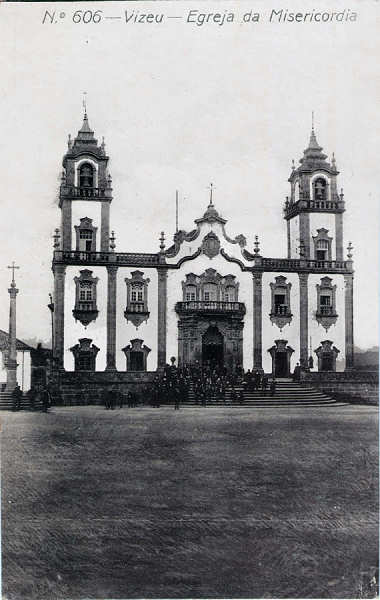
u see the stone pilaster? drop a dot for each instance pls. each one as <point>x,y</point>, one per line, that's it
<point>304,309</point>
<point>305,233</point>
<point>349,320</point>
<point>12,350</point>
<point>59,315</point>
<point>66,225</point>
<point>161,323</point>
<point>339,236</point>
<point>288,238</point>
<point>257,321</point>
<point>105,227</point>
<point>111,318</point>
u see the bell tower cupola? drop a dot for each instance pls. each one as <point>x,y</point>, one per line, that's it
<point>85,179</point>
<point>314,210</point>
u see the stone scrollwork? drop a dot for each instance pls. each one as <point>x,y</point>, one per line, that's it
<point>85,309</point>
<point>137,298</point>
<point>280,313</point>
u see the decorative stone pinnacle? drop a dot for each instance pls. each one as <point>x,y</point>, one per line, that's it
<point>112,241</point>
<point>211,191</point>
<point>56,238</point>
<point>349,250</point>
<point>293,165</point>
<point>257,246</point>
<point>69,142</point>
<point>341,195</point>
<point>162,241</point>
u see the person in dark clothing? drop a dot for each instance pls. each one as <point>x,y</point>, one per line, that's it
<point>264,384</point>
<point>257,380</point>
<point>273,387</point>
<point>297,372</point>
<point>234,395</point>
<point>45,399</point>
<point>31,395</point>
<point>120,398</point>
<point>241,396</point>
<point>16,398</point>
<point>177,397</point>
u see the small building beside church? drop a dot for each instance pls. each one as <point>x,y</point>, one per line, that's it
<point>206,296</point>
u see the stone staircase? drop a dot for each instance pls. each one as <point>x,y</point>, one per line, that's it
<point>6,402</point>
<point>288,393</point>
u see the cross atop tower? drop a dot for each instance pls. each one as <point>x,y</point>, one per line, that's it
<point>13,267</point>
<point>211,188</point>
<point>85,103</point>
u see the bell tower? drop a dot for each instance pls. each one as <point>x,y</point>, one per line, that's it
<point>314,210</point>
<point>85,178</point>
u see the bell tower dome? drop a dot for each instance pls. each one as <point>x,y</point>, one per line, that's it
<point>85,178</point>
<point>314,210</point>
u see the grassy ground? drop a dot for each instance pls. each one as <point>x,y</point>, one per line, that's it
<point>198,503</point>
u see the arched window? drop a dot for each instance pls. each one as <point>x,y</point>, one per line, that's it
<point>191,293</point>
<point>210,292</point>
<point>320,189</point>
<point>229,294</point>
<point>86,179</point>
<point>322,250</point>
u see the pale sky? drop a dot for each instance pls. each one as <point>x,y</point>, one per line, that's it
<point>180,106</point>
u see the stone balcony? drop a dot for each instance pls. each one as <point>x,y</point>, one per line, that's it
<point>292,209</point>
<point>119,259</point>
<point>210,307</point>
<point>72,192</point>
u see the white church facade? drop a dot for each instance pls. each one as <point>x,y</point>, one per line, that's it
<point>206,296</point>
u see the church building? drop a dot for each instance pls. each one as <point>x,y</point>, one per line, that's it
<point>122,315</point>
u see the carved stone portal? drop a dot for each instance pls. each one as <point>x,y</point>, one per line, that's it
<point>136,354</point>
<point>84,355</point>
<point>327,354</point>
<point>281,354</point>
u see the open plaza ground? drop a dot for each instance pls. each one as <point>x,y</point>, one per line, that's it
<point>195,503</point>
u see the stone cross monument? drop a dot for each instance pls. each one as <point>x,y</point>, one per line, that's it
<point>11,362</point>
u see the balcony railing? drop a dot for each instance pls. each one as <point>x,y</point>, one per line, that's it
<point>136,307</point>
<point>326,311</point>
<point>313,205</point>
<point>296,264</point>
<point>104,258</point>
<point>84,192</point>
<point>281,310</point>
<point>210,306</point>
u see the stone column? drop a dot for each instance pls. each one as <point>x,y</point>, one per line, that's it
<point>161,324</point>
<point>304,309</point>
<point>339,236</point>
<point>111,318</point>
<point>12,349</point>
<point>59,315</point>
<point>257,321</point>
<point>349,320</point>
<point>66,228</point>
<point>305,232</point>
<point>105,227</point>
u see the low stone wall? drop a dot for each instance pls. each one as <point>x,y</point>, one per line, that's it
<point>81,388</point>
<point>360,387</point>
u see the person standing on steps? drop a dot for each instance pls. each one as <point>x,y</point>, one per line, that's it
<point>264,384</point>
<point>16,398</point>
<point>273,387</point>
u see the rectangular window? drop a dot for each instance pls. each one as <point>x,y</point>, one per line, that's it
<point>190,296</point>
<point>89,295</point>
<point>325,301</point>
<point>139,296</point>
<point>82,295</point>
<point>133,296</point>
<point>207,296</point>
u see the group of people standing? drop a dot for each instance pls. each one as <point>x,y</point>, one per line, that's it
<point>38,397</point>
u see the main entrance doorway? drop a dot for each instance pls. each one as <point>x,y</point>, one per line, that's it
<point>212,347</point>
<point>281,368</point>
